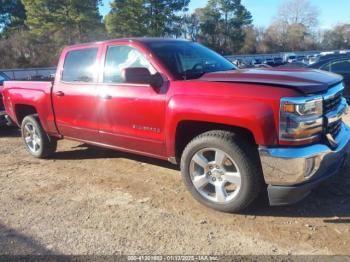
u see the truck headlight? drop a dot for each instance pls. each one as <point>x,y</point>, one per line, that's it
<point>301,119</point>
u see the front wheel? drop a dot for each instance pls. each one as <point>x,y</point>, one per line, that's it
<point>37,142</point>
<point>221,171</point>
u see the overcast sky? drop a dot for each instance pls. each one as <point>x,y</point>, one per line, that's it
<point>331,11</point>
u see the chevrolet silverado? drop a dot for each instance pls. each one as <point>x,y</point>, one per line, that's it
<point>233,132</point>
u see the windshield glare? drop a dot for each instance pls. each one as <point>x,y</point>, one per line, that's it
<point>188,60</point>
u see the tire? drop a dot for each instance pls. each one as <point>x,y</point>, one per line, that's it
<point>36,141</point>
<point>227,183</point>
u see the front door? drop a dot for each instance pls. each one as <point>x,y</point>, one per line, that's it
<point>132,116</point>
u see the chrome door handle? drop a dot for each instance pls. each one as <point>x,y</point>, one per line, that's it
<point>59,93</point>
<point>106,96</point>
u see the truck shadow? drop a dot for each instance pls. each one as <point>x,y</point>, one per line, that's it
<point>15,243</point>
<point>6,131</point>
<point>330,201</point>
<point>85,151</point>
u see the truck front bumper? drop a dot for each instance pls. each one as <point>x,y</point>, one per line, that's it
<point>291,173</point>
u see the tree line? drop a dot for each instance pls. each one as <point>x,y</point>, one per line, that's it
<point>33,32</point>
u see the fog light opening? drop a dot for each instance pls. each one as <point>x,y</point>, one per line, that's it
<point>310,166</point>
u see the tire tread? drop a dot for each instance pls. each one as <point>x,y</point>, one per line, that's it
<point>49,144</point>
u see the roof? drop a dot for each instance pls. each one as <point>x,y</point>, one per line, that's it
<point>133,39</point>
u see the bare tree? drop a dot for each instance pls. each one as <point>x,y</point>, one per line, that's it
<point>298,12</point>
<point>250,41</point>
<point>337,38</point>
<point>293,27</point>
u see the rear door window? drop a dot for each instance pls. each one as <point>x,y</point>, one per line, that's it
<point>80,65</point>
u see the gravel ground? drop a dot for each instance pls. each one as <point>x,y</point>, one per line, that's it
<point>94,201</point>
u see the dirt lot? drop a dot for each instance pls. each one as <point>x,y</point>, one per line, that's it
<point>94,201</point>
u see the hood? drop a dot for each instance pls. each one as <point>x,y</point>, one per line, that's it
<point>307,81</point>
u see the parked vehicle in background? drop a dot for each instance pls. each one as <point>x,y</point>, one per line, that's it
<point>26,74</point>
<point>3,121</point>
<point>278,61</point>
<point>331,56</point>
<point>262,66</point>
<point>301,58</point>
<point>269,61</point>
<point>313,59</point>
<point>232,131</point>
<point>291,59</point>
<point>3,77</point>
<point>240,63</point>
<point>339,65</point>
<point>41,77</point>
<point>256,62</point>
<point>288,57</point>
<point>294,65</point>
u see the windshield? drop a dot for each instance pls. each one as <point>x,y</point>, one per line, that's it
<point>187,60</point>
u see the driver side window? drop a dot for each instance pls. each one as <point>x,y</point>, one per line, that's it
<point>120,57</point>
<point>189,61</point>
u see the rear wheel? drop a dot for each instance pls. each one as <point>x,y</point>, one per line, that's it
<point>37,142</point>
<point>221,171</point>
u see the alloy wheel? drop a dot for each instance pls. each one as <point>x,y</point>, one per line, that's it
<point>215,175</point>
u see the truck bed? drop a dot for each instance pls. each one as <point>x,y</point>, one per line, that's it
<point>33,95</point>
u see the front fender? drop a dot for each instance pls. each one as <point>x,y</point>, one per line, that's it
<point>258,117</point>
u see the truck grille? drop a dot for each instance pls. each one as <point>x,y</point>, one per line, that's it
<point>334,128</point>
<point>332,102</point>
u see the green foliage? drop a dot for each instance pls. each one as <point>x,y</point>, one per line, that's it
<point>119,23</point>
<point>164,19</point>
<point>223,24</point>
<point>145,18</point>
<point>12,17</point>
<point>191,26</point>
<point>49,26</point>
<point>73,20</point>
<point>33,32</point>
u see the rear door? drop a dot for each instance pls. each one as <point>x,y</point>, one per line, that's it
<point>74,94</point>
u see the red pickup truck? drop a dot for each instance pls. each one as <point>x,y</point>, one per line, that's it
<point>233,132</point>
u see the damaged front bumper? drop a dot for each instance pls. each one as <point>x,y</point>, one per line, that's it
<point>291,173</point>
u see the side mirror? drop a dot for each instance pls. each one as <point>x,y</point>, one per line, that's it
<point>141,75</point>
